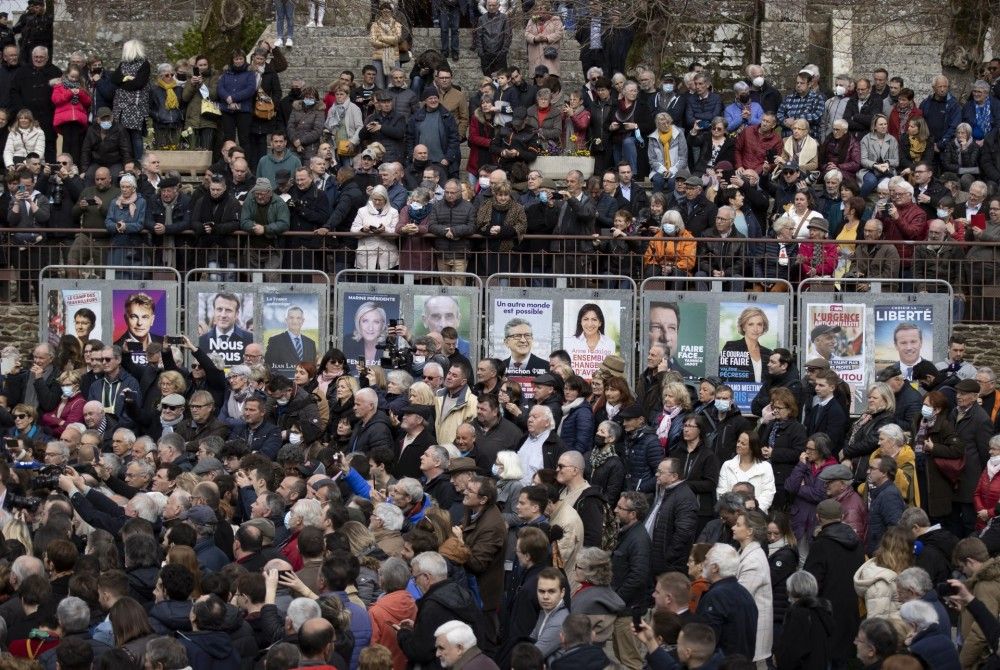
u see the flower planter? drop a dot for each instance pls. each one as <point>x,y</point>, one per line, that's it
<point>556,167</point>
<point>186,162</point>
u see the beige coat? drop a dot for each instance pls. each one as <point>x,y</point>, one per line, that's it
<point>385,40</point>
<point>877,585</point>
<point>541,34</point>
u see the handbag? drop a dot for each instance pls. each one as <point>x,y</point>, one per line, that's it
<point>263,107</point>
<point>951,468</point>
<point>210,110</point>
<point>551,53</point>
<point>345,148</point>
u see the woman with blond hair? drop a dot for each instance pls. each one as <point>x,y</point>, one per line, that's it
<point>875,580</point>
<point>669,422</point>
<point>70,407</point>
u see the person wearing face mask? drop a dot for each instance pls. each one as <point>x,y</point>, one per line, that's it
<point>836,107</point>
<point>673,249</point>
<point>305,123</point>
<point>742,111</point>
<point>106,144</point>
<point>70,407</point>
<point>293,407</point>
<point>761,90</point>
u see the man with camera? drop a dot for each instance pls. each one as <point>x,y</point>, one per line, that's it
<point>309,211</point>
<point>385,126</point>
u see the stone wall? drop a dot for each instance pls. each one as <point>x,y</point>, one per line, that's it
<point>19,326</point>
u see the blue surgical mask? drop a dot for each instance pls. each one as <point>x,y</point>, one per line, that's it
<point>496,470</point>
<point>105,125</point>
<point>668,88</point>
<point>942,213</point>
<point>543,197</point>
<point>926,411</point>
<point>288,518</point>
<point>67,391</point>
<point>416,206</point>
<point>669,228</point>
<point>722,405</point>
<point>308,102</point>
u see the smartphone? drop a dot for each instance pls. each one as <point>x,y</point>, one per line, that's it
<point>393,323</point>
<point>174,339</point>
<point>196,71</point>
<point>636,620</point>
<point>605,232</point>
<point>944,589</point>
<point>285,574</point>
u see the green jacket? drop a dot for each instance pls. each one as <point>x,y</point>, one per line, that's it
<point>277,221</point>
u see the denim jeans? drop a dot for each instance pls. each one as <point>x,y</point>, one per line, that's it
<point>627,151</point>
<point>869,183</point>
<point>284,11</point>
<point>449,18</point>
<point>136,137</point>
<point>662,184</point>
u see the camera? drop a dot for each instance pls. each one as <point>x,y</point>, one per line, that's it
<point>47,477</point>
<point>15,502</point>
<point>556,195</point>
<point>393,357</point>
<point>196,71</point>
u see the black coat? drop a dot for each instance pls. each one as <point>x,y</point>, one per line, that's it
<point>732,613</point>
<point>392,134</point>
<point>30,89</point>
<point>783,563</point>
<point>408,463</point>
<point>862,441</point>
<point>805,641</point>
<point>443,602</point>
<point>105,147</point>
<point>835,555</point>
<point>590,506</point>
<point>631,577</point>
<point>790,380</point>
<point>727,431</point>
<point>698,215</point>
<point>789,443</point>
<point>974,431</point>
<point>376,433</point>
<point>700,470</point>
<point>830,419</point>
<point>674,529</point>
<point>933,553</point>
<point>349,200</point>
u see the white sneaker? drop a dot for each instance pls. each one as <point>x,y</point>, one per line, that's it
<point>278,42</point>
<point>319,24</point>
<point>288,43</point>
<point>311,24</point>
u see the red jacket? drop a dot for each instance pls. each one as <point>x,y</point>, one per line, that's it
<point>894,128</point>
<point>820,256</point>
<point>66,111</point>
<point>987,496</point>
<point>911,226</point>
<point>388,610</point>
<point>291,552</point>
<point>751,148</point>
<point>855,512</point>
<point>72,412</point>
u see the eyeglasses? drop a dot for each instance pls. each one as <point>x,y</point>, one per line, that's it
<point>173,407</point>
<point>519,336</point>
<point>196,366</point>
<point>103,359</point>
<point>429,378</point>
<point>778,407</point>
<point>52,454</point>
<point>63,162</point>
<point>20,416</point>
<point>199,406</point>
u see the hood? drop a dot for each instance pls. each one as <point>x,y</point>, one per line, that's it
<point>869,573</point>
<point>232,620</point>
<point>842,534</point>
<point>379,417</point>
<point>173,614</point>
<point>213,642</point>
<point>143,580</point>
<point>601,596</point>
<point>399,604</point>
<point>455,551</point>
<point>990,572</point>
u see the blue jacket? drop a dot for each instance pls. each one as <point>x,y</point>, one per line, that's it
<point>241,86</point>
<point>935,650</point>
<point>885,505</point>
<point>450,142</point>
<point>942,117</point>
<point>134,224</point>
<point>643,454</point>
<point>266,438</point>
<point>210,557</point>
<point>361,627</point>
<point>577,428</point>
<point>993,121</point>
<point>124,381</point>
<point>734,116</point>
<point>700,111</point>
<point>209,650</point>
<point>732,613</point>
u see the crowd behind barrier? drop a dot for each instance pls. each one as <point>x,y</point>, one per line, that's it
<point>239,494</point>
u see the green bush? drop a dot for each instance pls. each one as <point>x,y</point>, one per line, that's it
<point>192,42</point>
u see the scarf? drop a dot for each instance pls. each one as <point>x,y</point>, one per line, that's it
<point>129,203</point>
<point>612,410</point>
<point>663,430</point>
<point>172,102</point>
<point>336,115</point>
<point>773,547</point>
<point>419,215</point>
<point>984,120</point>
<point>600,456</point>
<point>170,424</point>
<point>922,430</point>
<point>665,140</point>
<point>71,85</point>
<point>772,436</point>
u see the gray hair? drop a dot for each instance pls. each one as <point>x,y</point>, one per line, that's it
<point>391,516</point>
<point>918,614</point>
<point>730,502</point>
<point>782,223</point>
<point>240,371</point>
<point>841,124</point>
<point>163,68</point>
<point>146,468</point>
<point>301,610</point>
<point>182,497</point>
<point>26,566</point>
<point>441,454</point>
<point>964,127</point>
<point>988,371</point>
<point>514,323</point>
<point>674,217</point>
<point>126,435</point>
<point>127,180</point>
<point>434,368</point>
<point>401,377</point>
<point>725,558</point>
<point>40,50</point>
<point>741,87</point>
<point>394,574</point>
<point>893,432</point>
<point>166,652</point>
<point>547,415</point>
<point>834,174</point>
<point>980,85</point>
<point>60,445</point>
<point>411,487</point>
<point>665,116</point>
<point>368,394</point>
<point>432,563</point>
<point>595,563</point>
<point>73,615</point>
<point>801,584</point>
<point>595,70</point>
<point>310,511</point>
<point>916,580</point>
<point>144,507</point>
<point>613,427</point>
<point>457,633</point>
<point>112,463</point>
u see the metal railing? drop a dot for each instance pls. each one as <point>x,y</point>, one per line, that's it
<point>970,268</point>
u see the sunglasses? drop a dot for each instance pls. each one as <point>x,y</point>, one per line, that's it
<point>20,416</point>
<point>163,406</point>
<point>105,359</point>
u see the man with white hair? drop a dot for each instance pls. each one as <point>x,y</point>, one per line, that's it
<point>742,111</point>
<point>915,584</point>
<point>29,86</point>
<point>905,220</point>
<point>373,428</point>
<point>408,495</point>
<point>434,465</point>
<point>385,524</point>
<point>541,446</point>
<point>455,643</point>
<point>761,90</point>
<point>73,616</point>
<point>22,568</point>
<point>304,513</point>
<point>727,606</point>
<point>442,600</point>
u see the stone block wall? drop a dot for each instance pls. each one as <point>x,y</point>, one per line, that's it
<point>19,326</point>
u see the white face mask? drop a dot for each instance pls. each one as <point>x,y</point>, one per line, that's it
<point>67,391</point>
<point>484,182</point>
<point>758,81</point>
<point>926,411</point>
<point>496,470</point>
<point>295,438</point>
<point>995,461</point>
<point>417,360</point>
<point>839,91</point>
<point>668,88</point>
<point>288,519</point>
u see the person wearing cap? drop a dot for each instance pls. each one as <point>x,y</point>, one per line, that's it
<point>437,129</point>
<point>835,554</point>
<point>817,258</point>
<point>907,398</point>
<point>642,450</point>
<point>802,104</point>
<point>415,423</point>
<point>385,126</point>
<point>106,144</point>
<point>167,215</point>
<point>266,218</point>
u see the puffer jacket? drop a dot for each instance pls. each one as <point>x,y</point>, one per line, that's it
<point>238,84</point>
<point>20,143</point>
<point>877,585</point>
<point>170,616</point>
<point>105,147</point>
<point>68,111</point>
<point>986,497</point>
<point>643,454</point>
<point>210,649</point>
<point>680,251</point>
<point>783,562</point>
<point>306,126</point>
<point>388,610</point>
<point>376,251</point>
<point>577,426</point>
<point>459,217</point>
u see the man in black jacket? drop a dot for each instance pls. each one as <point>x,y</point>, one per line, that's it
<point>587,500</point>
<point>721,252</point>
<point>260,435</point>
<point>8,66</point>
<point>309,211</point>
<point>385,126</point>
<point>577,213</point>
<point>104,145</point>
<point>30,89</point>
<point>780,374</point>
<point>698,213</point>
<point>35,28</point>
<point>630,572</point>
<point>372,429</point>
<point>673,518</point>
<point>41,389</point>
<point>727,606</point>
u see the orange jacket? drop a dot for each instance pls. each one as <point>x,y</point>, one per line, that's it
<point>681,252</point>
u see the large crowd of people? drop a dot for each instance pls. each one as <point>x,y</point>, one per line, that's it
<point>181,510</point>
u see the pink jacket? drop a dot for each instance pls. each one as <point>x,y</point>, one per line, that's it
<point>66,111</point>
<point>55,422</point>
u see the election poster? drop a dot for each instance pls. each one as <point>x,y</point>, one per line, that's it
<point>522,339</point>
<point>748,333</point>
<point>904,335</point>
<point>836,333</point>
<point>365,323</point>
<point>680,327</point>
<point>139,318</point>
<point>591,331</point>
<point>74,312</point>
<point>431,313</point>
<point>290,330</point>
<point>225,324</point>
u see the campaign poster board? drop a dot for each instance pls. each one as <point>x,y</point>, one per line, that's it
<point>224,321</point>
<point>290,330</point>
<point>434,311</point>
<point>904,334</point>
<point>680,327</point>
<point>77,312</point>
<point>521,338</point>
<point>139,319</point>
<point>836,333</point>
<point>748,332</point>
<point>365,320</point>
<point>591,331</point>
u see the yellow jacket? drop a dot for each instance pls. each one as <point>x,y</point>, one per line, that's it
<point>906,475</point>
